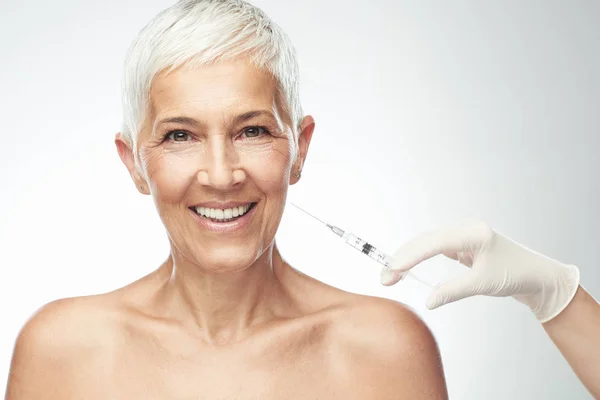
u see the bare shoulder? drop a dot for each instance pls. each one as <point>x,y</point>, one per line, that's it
<point>60,341</point>
<point>388,348</point>
<point>378,323</point>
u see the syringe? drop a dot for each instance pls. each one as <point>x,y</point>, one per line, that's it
<point>364,247</point>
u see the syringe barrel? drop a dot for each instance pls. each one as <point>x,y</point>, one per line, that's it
<point>368,249</point>
<point>377,255</point>
<point>362,246</point>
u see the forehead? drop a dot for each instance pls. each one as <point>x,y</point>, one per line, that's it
<point>219,88</point>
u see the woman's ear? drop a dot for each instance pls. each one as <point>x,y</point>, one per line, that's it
<point>127,157</point>
<point>307,126</point>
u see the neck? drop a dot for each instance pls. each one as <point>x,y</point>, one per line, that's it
<point>226,306</point>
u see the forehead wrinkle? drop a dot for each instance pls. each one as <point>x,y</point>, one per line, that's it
<point>253,96</point>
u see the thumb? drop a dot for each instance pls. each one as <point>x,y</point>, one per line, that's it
<point>451,291</point>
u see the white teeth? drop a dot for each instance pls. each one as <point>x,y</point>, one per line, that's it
<point>223,214</point>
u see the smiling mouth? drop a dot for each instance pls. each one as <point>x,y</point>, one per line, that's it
<point>223,214</point>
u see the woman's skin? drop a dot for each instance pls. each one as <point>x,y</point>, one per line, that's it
<point>224,316</point>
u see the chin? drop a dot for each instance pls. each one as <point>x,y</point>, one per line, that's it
<point>226,258</point>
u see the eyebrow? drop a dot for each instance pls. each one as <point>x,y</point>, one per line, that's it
<point>237,119</point>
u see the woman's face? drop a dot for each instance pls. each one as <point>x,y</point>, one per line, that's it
<point>216,151</point>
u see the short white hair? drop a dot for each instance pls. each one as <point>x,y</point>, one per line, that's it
<point>202,32</point>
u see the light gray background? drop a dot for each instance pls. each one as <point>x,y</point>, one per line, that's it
<point>427,113</point>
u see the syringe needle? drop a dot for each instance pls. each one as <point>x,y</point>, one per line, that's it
<point>324,223</point>
<point>338,231</point>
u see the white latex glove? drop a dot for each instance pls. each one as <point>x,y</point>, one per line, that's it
<point>499,267</point>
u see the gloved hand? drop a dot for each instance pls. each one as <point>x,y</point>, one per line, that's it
<point>499,267</point>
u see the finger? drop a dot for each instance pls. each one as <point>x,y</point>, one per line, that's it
<point>389,277</point>
<point>448,241</point>
<point>417,250</point>
<point>454,290</point>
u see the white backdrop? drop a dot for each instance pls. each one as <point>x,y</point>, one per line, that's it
<point>426,112</point>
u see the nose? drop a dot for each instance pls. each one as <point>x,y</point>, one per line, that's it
<point>220,164</point>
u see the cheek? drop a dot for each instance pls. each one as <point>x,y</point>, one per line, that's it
<point>170,177</point>
<point>269,170</point>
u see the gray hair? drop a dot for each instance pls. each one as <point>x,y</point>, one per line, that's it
<point>201,32</point>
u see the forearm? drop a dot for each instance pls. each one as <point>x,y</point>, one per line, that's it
<point>576,333</point>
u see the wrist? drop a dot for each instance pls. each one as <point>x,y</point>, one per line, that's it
<point>567,286</point>
<point>554,294</point>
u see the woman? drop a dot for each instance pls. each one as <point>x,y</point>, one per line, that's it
<point>214,132</point>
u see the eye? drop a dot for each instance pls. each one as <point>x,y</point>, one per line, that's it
<point>177,136</point>
<point>254,131</point>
